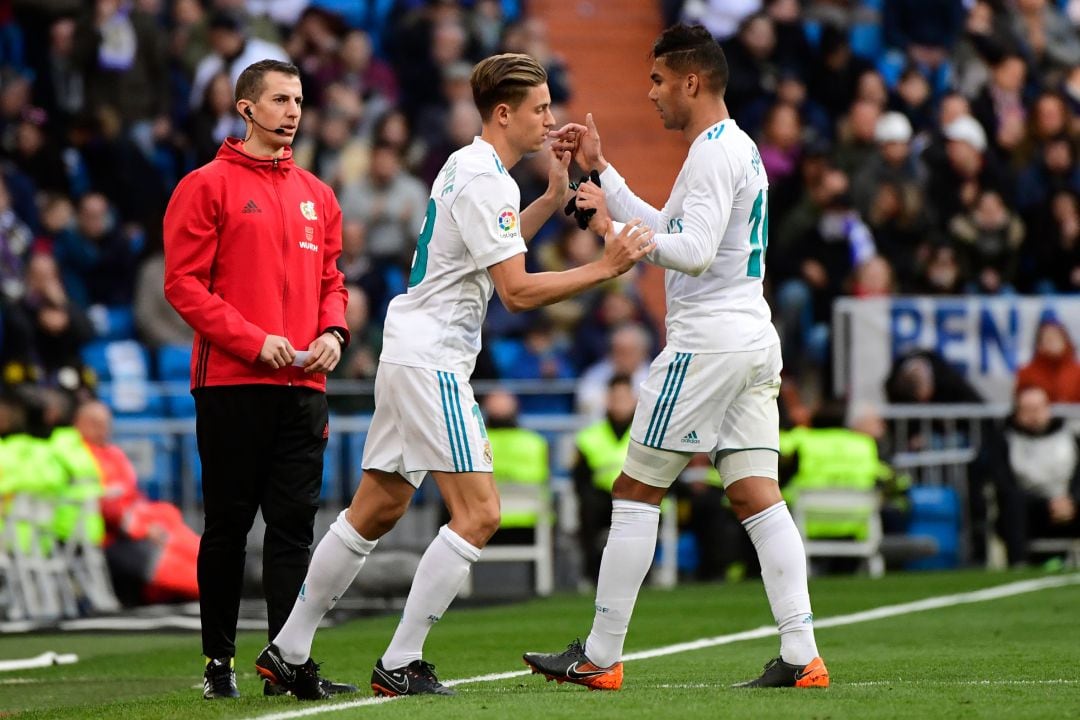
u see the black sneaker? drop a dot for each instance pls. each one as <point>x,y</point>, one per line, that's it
<point>219,680</point>
<point>416,678</point>
<point>301,681</point>
<point>331,688</point>
<point>778,673</point>
<point>571,665</point>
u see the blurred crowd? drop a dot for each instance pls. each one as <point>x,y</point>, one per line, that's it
<point>913,146</point>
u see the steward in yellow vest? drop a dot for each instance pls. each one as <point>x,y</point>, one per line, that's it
<point>601,450</point>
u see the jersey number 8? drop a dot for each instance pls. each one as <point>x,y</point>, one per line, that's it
<point>419,263</point>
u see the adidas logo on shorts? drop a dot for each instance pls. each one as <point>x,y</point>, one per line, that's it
<point>691,438</point>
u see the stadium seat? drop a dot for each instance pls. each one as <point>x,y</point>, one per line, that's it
<point>123,366</point>
<point>174,369</point>
<point>174,362</point>
<point>842,505</point>
<point>115,322</point>
<point>935,512</point>
<point>531,499</point>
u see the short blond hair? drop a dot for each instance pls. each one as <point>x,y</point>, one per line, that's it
<point>505,78</point>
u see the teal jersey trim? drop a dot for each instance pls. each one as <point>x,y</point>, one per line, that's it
<point>461,421</point>
<point>665,404</point>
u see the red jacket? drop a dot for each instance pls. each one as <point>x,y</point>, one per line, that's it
<point>251,249</point>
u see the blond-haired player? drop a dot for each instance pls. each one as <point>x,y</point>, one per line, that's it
<point>426,420</point>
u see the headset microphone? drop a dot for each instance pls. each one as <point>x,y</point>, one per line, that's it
<point>279,131</point>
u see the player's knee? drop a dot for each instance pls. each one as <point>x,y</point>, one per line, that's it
<point>374,520</point>
<point>751,495</point>
<point>487,522</point>
<point>479,523</point>
<point>627,488</point>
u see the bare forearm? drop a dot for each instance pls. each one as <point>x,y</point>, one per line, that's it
<point>546,288</point>
<point>538,212</point>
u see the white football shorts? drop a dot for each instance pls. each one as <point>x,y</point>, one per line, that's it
<point>425,420</point>
<point>716,403</point>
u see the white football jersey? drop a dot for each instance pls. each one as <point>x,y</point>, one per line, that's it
<point>711,239</point>
<point>472,222</point>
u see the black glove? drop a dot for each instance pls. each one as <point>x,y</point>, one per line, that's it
<point>582,216</point>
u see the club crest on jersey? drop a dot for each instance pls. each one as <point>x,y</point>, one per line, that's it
<point>507,221</point>
<point>307,209</point>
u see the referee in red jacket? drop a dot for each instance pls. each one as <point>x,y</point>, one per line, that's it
<point>251,249</point>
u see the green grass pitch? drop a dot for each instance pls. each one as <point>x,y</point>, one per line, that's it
<point>1014,657</point>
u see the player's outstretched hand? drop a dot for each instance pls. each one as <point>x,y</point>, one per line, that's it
<point>583,141</point>
<point>590,197</point>
<point>325,354</point>
<point>559,174</point>
<point>277,352</point>
<point>632,243</point>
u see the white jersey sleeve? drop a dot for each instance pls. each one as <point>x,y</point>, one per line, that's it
<point>624,205</point>
<point>489,218</point>
<point>713,244</point>
<point>706,212</point>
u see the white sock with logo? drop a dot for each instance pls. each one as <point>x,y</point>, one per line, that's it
<point>334,564</point>
<point>627,558</point>
<point>439,576</point>
<point>783,570</point>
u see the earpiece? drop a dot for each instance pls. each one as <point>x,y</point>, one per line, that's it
<point>278,131</point>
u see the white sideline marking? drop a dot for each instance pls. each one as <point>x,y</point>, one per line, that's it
<point>45,659</point>
<point>885,611</point>
<point>897,681</point>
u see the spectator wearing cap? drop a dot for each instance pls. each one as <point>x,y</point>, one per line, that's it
<point>889,193</point>
<point>962,171</point>
<point>233,50</point>
<point>893,162</point>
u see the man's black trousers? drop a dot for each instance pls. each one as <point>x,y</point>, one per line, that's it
<point>261,447</point>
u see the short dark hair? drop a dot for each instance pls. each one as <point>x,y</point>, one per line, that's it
<point>505,78</point>
<point>252,81</point>
<point>692,49</point>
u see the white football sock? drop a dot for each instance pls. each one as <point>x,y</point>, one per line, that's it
<point>627,558</point>
<point>334,564</point>
<point>783,570</point>
<point>439,576</point>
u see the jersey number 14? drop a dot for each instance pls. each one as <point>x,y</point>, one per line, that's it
<point>759,234</point>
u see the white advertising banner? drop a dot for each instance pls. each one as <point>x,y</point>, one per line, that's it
<point>986,338</point>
